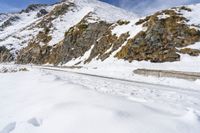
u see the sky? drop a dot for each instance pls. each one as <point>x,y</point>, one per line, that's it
<point>141,7</point>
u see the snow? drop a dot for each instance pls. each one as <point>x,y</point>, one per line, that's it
<point>194,15</point>
<point>45,101</point>
<point>99,11</point>
<point>123,69</point>
<point>3,17</point>
<point>106,11</point>
<point>17,35</point>
<point>131,28</point>
<point>81,59</point>
<point>41,101</point>
<point>163,16</point>
<point>113,67</point>
<point>63,23</point>
<point>194,46</point>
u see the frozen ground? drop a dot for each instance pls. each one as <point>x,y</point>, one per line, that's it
<point>45,101</point>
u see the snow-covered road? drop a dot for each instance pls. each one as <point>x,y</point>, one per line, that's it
<point>134,83</point>
<point>48,101</point>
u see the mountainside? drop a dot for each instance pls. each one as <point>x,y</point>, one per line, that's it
<point>77,32</point>
<point>17,30</point>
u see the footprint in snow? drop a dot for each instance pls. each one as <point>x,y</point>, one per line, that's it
<point>35,122</point>
<point>9,128</point>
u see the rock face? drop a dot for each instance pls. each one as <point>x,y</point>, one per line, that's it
<point>5,55</point>
<point>78,40</point>
<point>34,52</point>
<point>33,7</point>
<point>38,51</point>
<point>189,51</point>
<point>163,35</point>
<point>41,13</point>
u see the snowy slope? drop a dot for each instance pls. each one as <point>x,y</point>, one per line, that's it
<point>124,69</point>
<point>17,35</point>
<point>100,11</point>
<point>193,16</point>
<point>3,16</point>
<point>105,11</point>
<point>42,101</point>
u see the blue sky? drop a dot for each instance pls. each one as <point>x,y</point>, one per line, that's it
<point>16,5</point>
<point>142,7</point>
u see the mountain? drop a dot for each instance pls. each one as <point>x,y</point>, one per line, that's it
<point>79,32</point>
<point>17,30</point>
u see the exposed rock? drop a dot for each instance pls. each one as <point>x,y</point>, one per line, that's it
<point>78,40</point>
<point>184,8</point>
<point>61,9</point>
<point>123,22</point>
<point>158,43</point>
<point>165,32</point>
<point>38,51</point>
<point>35,54</point>
<point>41,13</point>
<point>192,52</point>
<point>9,22</point>
<point>33,7</point>
<point>5,55</point>
<point>107,42</point>
<point>12,70</point>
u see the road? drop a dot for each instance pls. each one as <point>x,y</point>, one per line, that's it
<point>134,90</point>
<point>132,82</point>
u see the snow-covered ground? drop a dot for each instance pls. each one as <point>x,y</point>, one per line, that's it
<point>45,101</point>
<point>113,67</point>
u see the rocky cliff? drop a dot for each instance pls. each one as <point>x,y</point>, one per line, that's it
<point>82,31</point>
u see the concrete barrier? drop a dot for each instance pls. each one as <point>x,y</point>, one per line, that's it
<point>168,73</point>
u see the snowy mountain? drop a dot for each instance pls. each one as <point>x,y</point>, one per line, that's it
<point>17,29</point>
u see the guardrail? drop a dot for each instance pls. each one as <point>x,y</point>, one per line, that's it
<point>168,73</point>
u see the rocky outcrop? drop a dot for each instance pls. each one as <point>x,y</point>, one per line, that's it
<point>166,35</point>
<point>34,54</point>
<point>158,43</point>
<point>78,40</point>
<point>83,37</point>
<point>33,7</point>
<point>106,45</point>
<point>9,22</point>
<point>5,55</point>
<point>37,51</point>
<point>41,13</point>
<point>189,51</point>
